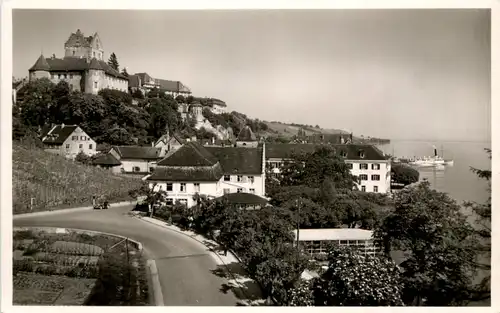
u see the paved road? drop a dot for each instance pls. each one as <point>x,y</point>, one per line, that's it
<point>184,265</point>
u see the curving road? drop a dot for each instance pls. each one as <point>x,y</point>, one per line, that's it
<point>184,265</point>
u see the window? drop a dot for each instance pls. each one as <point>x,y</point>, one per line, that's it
<point>226,191</point>
<point>240,178</point>
<point>136,169</point>
<point>95,84</point>
<point>363,177</point>
<point>251,179</point>
<point>170,187</point>
<point>73,52</point>
<point>343,154</point>
<point>363,166</point>
<point>82,138</point>
<point>65,76</point>
<point>375,177</point>
<point>349,165</point>
<point>59,76</point>
<point>375,188</point>
<point>67,146</point>
<point>363,188</point>
<point>252,190</point>
<point>151,169</point>
<point>90,146</point>
<point>80,146</point>
<point>240,190</point>
<point>183,187</point>
<point>375,166</point>
<point>227,177</point>
<point>196,187</point>
<point>362,154</point>
<point>74,138</point>
<point>170,201</point>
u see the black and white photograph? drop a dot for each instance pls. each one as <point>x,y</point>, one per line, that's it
<point>283,157</point>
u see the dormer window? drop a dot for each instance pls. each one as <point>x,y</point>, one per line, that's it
<point>362,154</point>
<point>343,154</point>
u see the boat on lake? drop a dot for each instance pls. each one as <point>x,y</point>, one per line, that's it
<point>430,161</point>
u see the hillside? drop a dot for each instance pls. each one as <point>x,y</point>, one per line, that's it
<point>55,182</point>
<point>289,130</point>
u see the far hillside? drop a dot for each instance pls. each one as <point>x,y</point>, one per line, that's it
<point>55,182</point>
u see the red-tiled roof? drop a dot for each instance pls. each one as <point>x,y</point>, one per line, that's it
<point>236,160</point>
<point>40,64</point>
<point>348,151</point>
<point>246,134</point>
<point>58,134</point>
<point>137,152</point>
<point>194,174</point>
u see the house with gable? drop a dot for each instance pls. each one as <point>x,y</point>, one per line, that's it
<point>211,171</point>
<point>67,140</point>
<point>136,159</point>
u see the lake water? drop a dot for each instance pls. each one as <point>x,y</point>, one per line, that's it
<point>457,180</point>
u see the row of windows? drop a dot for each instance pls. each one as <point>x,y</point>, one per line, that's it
<point>320,247</point>
<point>182,187</point>
<point>228,190</point>
<point>364,166</point>
<point>83,138</point>
<point>375,188</point>
<point>80,146</point>
<point>241,178</point>
<point>375,177</point>
<point>61,76</point>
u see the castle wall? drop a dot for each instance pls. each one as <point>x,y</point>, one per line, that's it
<point>72,78</point>
<point>39,74</point>
<point>95,80</point>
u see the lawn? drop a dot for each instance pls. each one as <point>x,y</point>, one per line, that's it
<point>76,268</point>
<point>54,182</point>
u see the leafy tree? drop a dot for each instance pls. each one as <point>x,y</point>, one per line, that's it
<point>82,158</point>
<point>37,103</point>
<point>438,243</point>
<point>156,198</point>
<point>180,99</point>
<point>163,116</point>
<point>113,62</point>
<point>404,174</point>
<point>301,294</point>
<point>124,72</point>
<point>137,94</point>
<point>190,99</point>
<point>353,279</point>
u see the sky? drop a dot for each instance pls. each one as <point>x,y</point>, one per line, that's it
<point>398,74</point>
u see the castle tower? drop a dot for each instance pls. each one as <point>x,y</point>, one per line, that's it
<point>197,111</point>
<point>94,77</point>
<point>40,69</point>
<point>246,138</point>
<point>79,46</point>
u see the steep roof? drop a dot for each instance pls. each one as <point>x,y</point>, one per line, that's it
<point>243,198</point>
<point>77,64</point>
<point>246,134</point>
<point>138,152</point>
<point>348,151</point>
<point>78,39</point>
<point>106,159</point>
<point>195,174</point>
<point>40,64</point>
<point>58,134</point>
<point>190,154</point>
<point>236,160</point>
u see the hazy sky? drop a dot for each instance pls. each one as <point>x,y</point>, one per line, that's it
<point>400,74</point>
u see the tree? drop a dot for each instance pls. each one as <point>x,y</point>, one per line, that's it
<point>438,243</point>
<point>162,116</point>
<point>124,72</point>
<point>353,279</point>
<point>113,62</point>
<point>301,294</point>
<point>82,158</point>
<point>483,231</point>
<point>180,99</point>
<point>155,198</point>
<point>404,174</point>
<point>37,103</point>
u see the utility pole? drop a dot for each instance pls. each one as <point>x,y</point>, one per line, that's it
<point>298,226</point>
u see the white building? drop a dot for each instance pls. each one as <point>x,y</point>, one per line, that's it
<point>68,141</point>
<point>211,171</point>
<point>136,159</point>
<point>314,241</point>
<point>366,162</point>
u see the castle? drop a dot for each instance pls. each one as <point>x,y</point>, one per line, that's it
<point>83,66</point>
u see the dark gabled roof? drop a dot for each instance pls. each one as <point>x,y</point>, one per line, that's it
<point>137,152</point>
<point>106,159</point>
<point>134,81</point>
<point>40,64</point>
<point>78,64</point>
<point>242,198</point>
<point>58,134</point>
<point>348,151</point>
<point>237,160</point>
<point>179,138</point>
<point>194,174</point>
<point>95,65</point>
<point>246,134</point>
<point>190,154</point>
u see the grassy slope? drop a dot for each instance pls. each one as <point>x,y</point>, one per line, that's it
<point>55,182</point>
<point>287,130</point>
